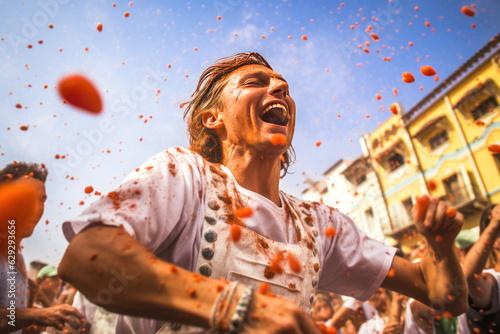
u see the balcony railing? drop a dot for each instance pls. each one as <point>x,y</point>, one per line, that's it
<point>461,196</point>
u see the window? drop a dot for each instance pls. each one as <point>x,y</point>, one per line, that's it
<point>438,139</point>
<point>484,107</point>
<point>396,161</point>
<point>361,178</point>
<point>496,157</point>
<point>479,101</point>
<point>408,204</point>
<point>455,193</point>
<point>370,219</point>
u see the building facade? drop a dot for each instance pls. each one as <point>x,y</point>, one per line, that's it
<point>438,147</point>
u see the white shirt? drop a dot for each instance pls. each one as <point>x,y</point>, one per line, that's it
<point>162,205</point>
<point>20,283</point>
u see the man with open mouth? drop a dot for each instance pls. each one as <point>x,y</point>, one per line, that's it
<point>202,239</point>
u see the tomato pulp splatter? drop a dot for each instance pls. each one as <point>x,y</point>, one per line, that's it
<point>408,77</point>
<point>80,92</point>
<point>427,70</point>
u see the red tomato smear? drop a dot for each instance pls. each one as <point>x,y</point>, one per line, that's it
<point>89,189</point>
<point>235,233</point>
<point>276,267</point>
<point>421,206</point>
<point>99,27</point>
<point>330,232</point>
<point>327,330</point>
<point>24,127</point>
<point>374,37</point>
<point>244,212</point>
<point>264,288</point>
<point>318,143</point>
<point>451,212</point>
<point>294,263</point>
<point>277,139</point>
<point>391,273</point>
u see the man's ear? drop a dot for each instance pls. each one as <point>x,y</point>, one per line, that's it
<point>212,120</point>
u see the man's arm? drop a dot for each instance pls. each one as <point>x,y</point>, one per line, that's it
<point>115,271</point>
<point>438,280</point>
<point>480,288</point>
<point>56,316</point>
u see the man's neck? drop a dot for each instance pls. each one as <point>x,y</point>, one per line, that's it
<point>256,173</point>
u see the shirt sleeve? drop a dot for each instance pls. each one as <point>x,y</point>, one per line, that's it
<point>354,264</point>
<point>153,204</point>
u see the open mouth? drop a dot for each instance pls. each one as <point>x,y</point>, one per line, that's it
<point>275,114</point>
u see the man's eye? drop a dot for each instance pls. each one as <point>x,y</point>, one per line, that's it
<point>252,83</point>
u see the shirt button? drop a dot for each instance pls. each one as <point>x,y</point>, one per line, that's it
<point>205,270</point>
<point>210,235</point>
<point>207,253</point>
<point>210,220</point>
<point>314,282</point>
<point>213,205</point>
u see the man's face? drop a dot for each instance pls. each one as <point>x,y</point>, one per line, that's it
<point>255,105</point>
<point>39,204</point>
<point>378,300</point>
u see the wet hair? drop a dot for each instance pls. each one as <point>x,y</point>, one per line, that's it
<point>17,170</point>
<point>483,224</point>
<point>37,264</point>
<point>207,96</point>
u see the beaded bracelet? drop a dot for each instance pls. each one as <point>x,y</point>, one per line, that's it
<point>241,311</point>
<point>221,307</point>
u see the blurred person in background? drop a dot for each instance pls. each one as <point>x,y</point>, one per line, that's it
<point>482,270</point>
<point>388,318</point>
<point>22,198</point>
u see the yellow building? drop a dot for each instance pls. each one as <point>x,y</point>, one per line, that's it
<point>395,162</point>
<point>451,129</point>
<point>438,147</point>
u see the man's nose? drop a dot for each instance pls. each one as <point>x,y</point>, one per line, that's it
<point>278,87</point>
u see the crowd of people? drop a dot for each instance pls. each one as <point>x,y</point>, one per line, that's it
<point>202,240</point>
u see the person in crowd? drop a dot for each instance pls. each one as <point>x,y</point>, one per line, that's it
<point>49,285</point>
<point>22,198</point>
<point>483,315</point>
<point>465,240</point>
<point>154,249</point>
<point>354,311</point>
<point>422,319</point>
<point>322,308</point>
<point>34,268</point>
<point>387,320</point>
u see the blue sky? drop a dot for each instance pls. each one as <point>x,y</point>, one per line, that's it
<point>128,62</point>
